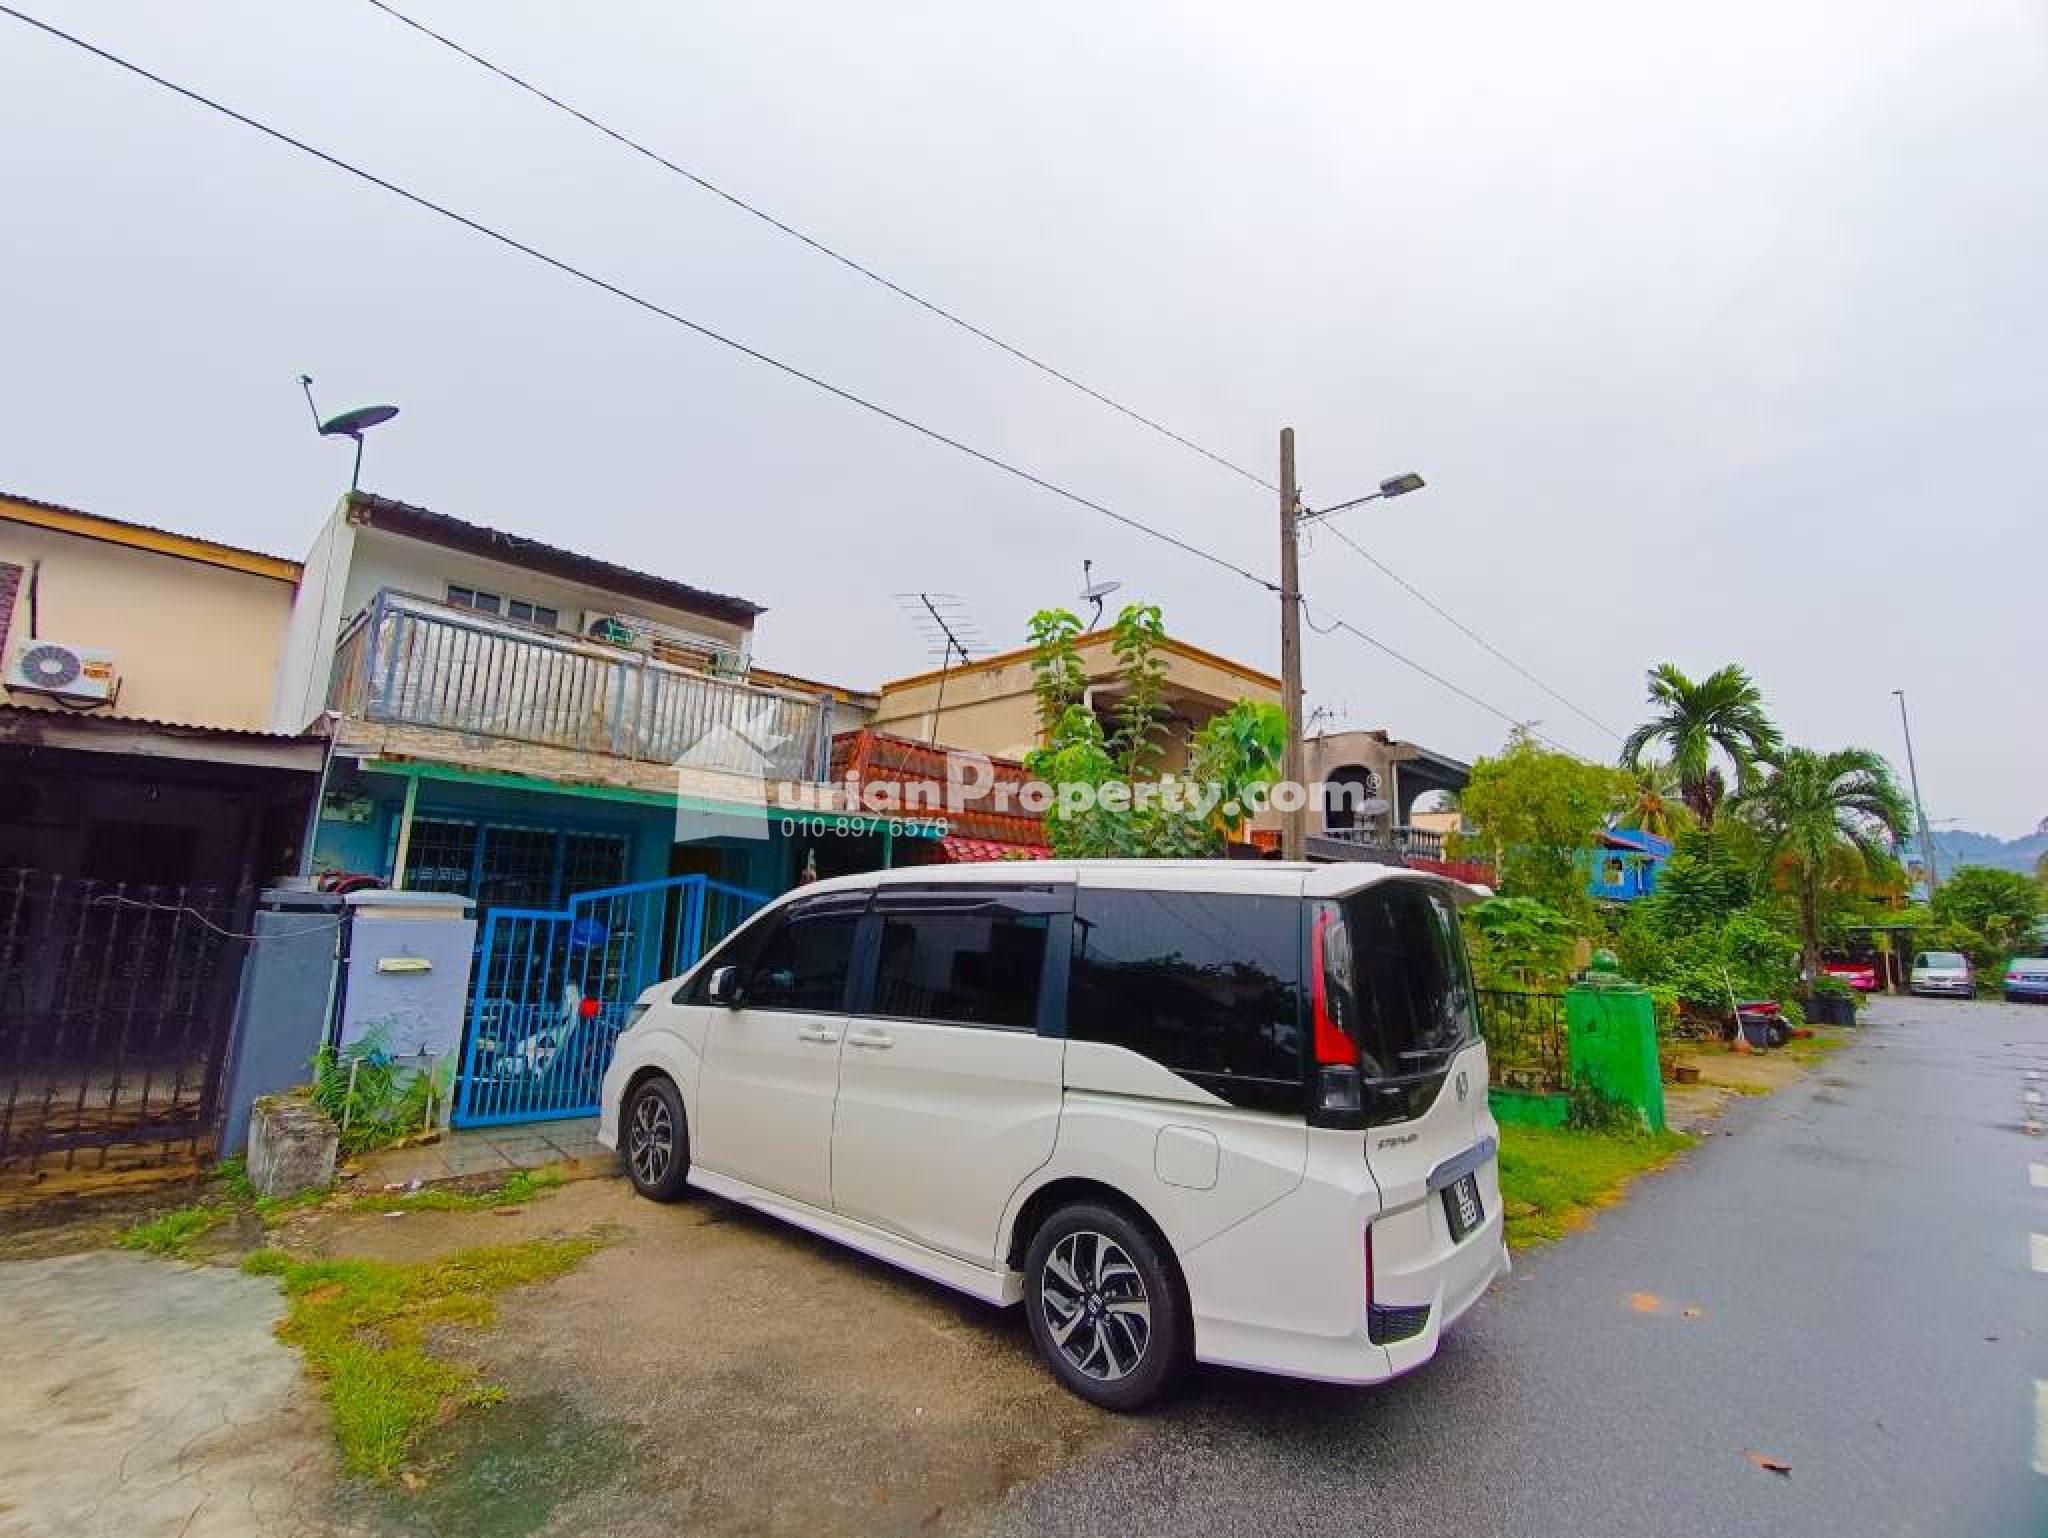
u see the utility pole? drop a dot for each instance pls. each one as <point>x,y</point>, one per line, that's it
<point>1294,766</point>
<point>1919,806</point>
<point>1294,821</point>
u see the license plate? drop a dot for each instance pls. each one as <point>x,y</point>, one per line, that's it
<point>1461,1206</point>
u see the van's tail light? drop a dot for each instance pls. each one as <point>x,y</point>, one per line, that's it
<point>1333,1045</point>
<point>1368,1265</point>
<point>1339,1086</point>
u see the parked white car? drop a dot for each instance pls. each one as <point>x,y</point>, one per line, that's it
<point>1226,1111</point>
<point>1942,973</point>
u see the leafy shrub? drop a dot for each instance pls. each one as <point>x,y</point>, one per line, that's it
<point>1592,1109</point>
<point>1519,942</point>
<point>1989,915</point>
<point>374,1100</point>
<point>1695,957</point>
<point>1835,988</point>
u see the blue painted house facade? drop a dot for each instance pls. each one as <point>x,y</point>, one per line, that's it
<point>1623,865</point>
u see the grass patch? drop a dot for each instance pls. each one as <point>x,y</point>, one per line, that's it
<point>363,1325</point>
<point>233,1175</point>
<point>519,1186</point>
<point>174,1233</point>
<point>1551,1178</point>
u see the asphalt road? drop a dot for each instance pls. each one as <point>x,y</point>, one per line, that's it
<point>1859,1252</point>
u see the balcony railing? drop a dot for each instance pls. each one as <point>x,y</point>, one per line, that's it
<point>414,662</point>
<point>1426,842</point>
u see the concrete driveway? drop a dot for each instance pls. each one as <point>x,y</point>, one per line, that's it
<point>148,1399</point>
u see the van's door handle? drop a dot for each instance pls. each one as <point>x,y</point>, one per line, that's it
<point>817,1033</point>
<point>879,1040</point>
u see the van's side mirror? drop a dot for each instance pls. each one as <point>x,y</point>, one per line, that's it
<point>725,987</point>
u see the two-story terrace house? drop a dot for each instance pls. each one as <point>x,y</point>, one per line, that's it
<point>508,717</point>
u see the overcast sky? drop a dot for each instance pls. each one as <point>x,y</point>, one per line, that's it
<point>1719,334</point>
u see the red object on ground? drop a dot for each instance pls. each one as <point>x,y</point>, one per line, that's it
<point>1860,975</point>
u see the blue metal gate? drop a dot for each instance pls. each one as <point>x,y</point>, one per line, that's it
<point>552,989</point>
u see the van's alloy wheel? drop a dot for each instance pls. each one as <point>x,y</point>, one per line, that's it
<point>1095,1305</point>
<point>655,1141</point>
<point>1106,1305</point>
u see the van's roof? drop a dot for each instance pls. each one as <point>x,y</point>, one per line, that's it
<point>1275,877</point>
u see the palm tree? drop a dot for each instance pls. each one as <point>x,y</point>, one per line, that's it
<point>1724,710</point>
<point>1820,816</point>
<point>1653,803</point>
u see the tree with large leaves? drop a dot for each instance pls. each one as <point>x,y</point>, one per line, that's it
<point>1536,814</point>
<point>1821,818</point>
<point>1723,711</point>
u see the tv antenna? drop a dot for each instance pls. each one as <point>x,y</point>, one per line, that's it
<point>1094,592</point>
<point>350,424</point>
<point>943,622</point>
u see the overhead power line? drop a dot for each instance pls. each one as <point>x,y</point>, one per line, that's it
<point>569,269</point>
<point>655,156</point>
<point>1464,628</point>
<point>1337,622</point>
<point>650,306</point>
<point>929,305</point>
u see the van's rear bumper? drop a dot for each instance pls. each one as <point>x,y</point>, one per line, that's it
<point>1285,1290</point>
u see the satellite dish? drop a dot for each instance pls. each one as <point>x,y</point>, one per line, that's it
<point>1094,592</point>
<point>350,424</point>
<point>1375,806</point>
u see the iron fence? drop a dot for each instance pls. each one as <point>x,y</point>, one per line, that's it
<point>1526,1045</point>
<point>418,663</point>
<point>115,1006</point>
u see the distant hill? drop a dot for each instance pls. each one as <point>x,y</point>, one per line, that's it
<point>1957,846</point>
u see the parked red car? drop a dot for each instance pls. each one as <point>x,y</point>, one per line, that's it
<point>1860,975</point>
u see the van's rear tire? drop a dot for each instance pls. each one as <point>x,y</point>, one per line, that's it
<point>1106,1306</point>
<point>654,1140</point>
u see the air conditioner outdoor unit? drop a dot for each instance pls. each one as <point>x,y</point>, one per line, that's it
<point>69,673</point>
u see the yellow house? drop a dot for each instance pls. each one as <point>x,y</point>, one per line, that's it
<point>184,630</point>
<point>143,808</point>
<point>988,705</point>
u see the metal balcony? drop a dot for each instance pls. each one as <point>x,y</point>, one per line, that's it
<point>414,662</point>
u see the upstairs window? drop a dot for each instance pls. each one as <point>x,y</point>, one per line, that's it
<point>475,598</point>
<point>525,612</point>
<point>532,614</point>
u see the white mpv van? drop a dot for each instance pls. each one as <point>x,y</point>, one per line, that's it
<point>1226,1111</point>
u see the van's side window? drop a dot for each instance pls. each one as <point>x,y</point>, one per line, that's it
<point>974,965</point>
<point>1206,983</point>
<point>803,966</point>
<point>737,949</point>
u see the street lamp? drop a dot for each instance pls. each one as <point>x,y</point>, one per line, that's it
<point>1392,486</point>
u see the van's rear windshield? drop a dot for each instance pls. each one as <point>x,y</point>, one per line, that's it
<point>1409,991</point>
